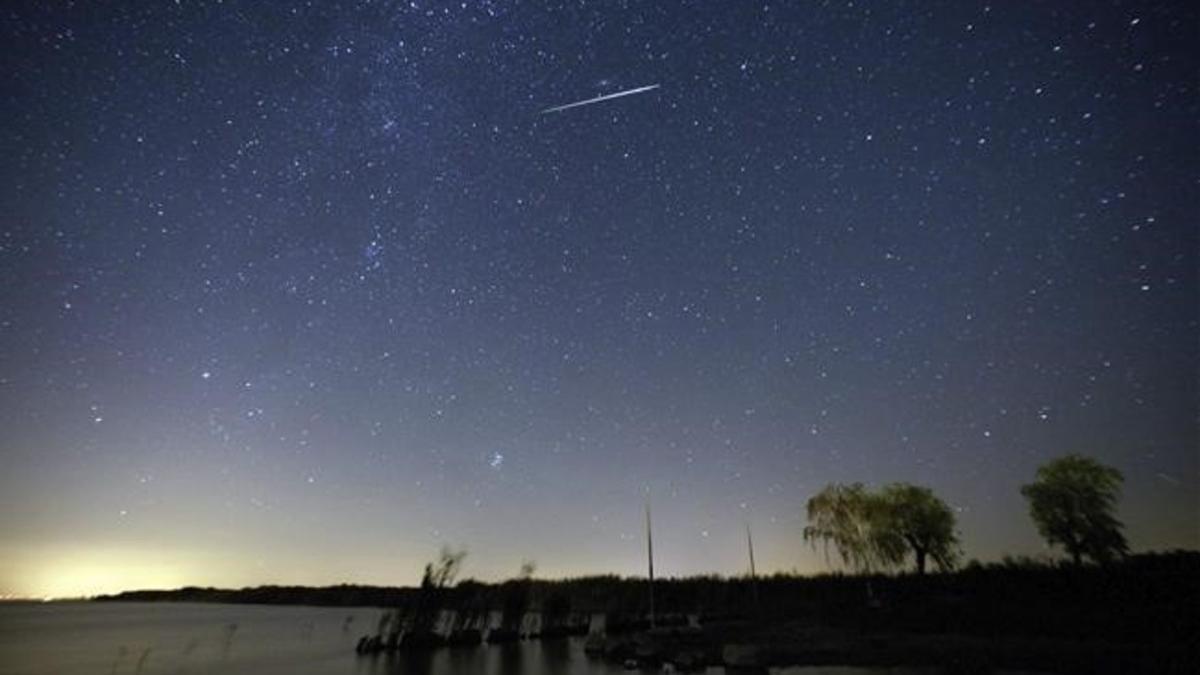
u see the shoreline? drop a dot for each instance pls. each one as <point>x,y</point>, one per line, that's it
<point>1137,615</point>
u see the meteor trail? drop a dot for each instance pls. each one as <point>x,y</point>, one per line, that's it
<point>619,94</point>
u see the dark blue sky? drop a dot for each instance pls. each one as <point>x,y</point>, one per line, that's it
<point>298,292</point>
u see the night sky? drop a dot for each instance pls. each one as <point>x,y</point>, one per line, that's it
<point>297,293</point>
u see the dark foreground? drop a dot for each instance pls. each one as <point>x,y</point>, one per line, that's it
<point>750,648</point>
<point>1135,616</point>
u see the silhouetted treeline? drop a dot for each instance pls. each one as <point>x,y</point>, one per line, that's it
<point>344,595</point>
<point>1144,597</point>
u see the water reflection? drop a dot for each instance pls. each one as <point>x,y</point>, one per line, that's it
<point>544,657</point>
<point>86,639</point>
<point>555,655</point>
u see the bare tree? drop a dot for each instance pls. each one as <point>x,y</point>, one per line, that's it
<point>444,571</point>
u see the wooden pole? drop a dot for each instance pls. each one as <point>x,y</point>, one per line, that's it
<point>650,559</point>
<point>753,572</point>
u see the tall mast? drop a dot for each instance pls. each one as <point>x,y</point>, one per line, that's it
<point>750,545</point>
<point>753,572</point>
<point>650,558</point>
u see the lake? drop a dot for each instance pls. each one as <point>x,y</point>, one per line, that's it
<point>180,638</point>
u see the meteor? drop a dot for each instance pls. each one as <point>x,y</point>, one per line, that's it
<point>619,94</point>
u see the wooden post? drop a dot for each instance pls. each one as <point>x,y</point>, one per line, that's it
<point>753,572</point>
<point>650,558</point>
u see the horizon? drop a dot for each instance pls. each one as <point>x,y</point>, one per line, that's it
<point>842,572</point>
<point>293,294</point>
<point>829,566</point>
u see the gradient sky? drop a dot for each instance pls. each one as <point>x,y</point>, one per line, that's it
<point>296,293</point>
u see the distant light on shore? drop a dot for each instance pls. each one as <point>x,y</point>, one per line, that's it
<point>76,574</point>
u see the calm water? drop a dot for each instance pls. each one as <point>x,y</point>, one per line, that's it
<point>112,639</point>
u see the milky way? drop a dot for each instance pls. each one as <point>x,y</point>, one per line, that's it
<point>296,293</point>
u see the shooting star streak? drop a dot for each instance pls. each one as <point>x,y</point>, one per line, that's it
<point>619,94</point>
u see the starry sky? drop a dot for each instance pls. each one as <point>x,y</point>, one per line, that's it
<point>298,292</point>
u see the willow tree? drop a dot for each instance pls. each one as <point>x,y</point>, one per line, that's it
<point>874,531</point>
<point>925,523</point>
<point>852,520</point>
<point>1072,500</point>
